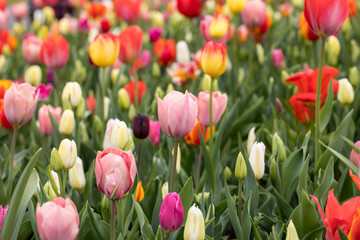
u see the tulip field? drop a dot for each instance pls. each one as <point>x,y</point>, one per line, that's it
<point>179,119</point>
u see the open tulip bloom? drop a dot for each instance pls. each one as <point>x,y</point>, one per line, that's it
<point>179,119</point>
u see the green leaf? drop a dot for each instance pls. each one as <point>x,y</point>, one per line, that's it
<point>325,113</point>
<point>326,183</point>
<point>145,227</point>
<point>186,196</point>
<point>233,214</point>
<point>342,234</point>
<point>209,166</point>
<point>290,172</point>
<point>282,203</point>
<point>303,177</point>
<point>57,136</point>
<point>351,144</point>
<point>24,190</point>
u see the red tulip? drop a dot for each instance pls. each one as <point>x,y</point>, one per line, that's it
<point>130,44</point>
<point>190,8</point>
<point>105,25</point>
<point>3,5</point>
<point>326,17</point>
<point>305,29</point>
<point>130,88</point>
<point>127,10</point>
<point>96,9</point>
<point>54,51</point>
<point>165,50</point>
<point>352,8</point>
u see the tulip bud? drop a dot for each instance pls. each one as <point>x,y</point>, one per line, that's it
<point>227,173</point>
<point>33,75</point>
<point>114,75</point>
<point>240,167</point>
<point>291,232</point>
<point>66,105</point>
<point>354,76</point>
<point>346,92</point>
<point>279,106</point>
<point>98,124</point>
<point>273,170</point>
<point>333,45</point>
<point>171,212</point>
<point>257,159</point>
<point>278,59</point>
<point>132,112</point>
<point>105,204</point>
<point>120,136</point>
<point>80,110</point>
<point>194,226</point>
<point>55,161</point>
<point>73,92</point>
<point>182,52</point>
<point>49,14</point>
<point>67,121</point>
<point>49,191</point>
<point>169,88</point>
<point>155,70</point>
<point>355,51</point>
<point>123,99</point>
<point>251,139</point>
<point>76,175</point>
<point>157,19</point>
<point>199,197</point>
<point>164,189</point>
<point>106,107</point>
<point>278,146</point>
<point>139,196</point>
<point>284,75</point>
<point>159,92</point>
<point>68,153</point>
<point>83,132</point>
<point>241,76</point>
<point>260,53</point>
<point>354,156</point>
<point>141,126</point>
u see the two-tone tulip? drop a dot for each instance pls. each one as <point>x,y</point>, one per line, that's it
<point>104,49</point>
<point>194,226</point>
<point>213,58</point>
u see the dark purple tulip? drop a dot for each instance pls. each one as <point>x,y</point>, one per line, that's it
<point>141,126</point>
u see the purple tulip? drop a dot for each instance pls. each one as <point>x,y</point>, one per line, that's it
<point>155,33</point>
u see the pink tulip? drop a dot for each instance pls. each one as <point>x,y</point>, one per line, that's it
<point>171,212</point>
<point>45,125</point>
<point>3,212</point>
<point>326,17</point>
<point>20,10</point>
<point>278,59</point>
<point>3,19</point>
<point>155,132</point>
<point>57,220</point>
<point>254,12</point>
<point>115,168</point>
<point>31,47</point>
<point>354,156</point>
<point>54,51</point>
<point>205,27</point>
<point>219,103</point>
<point>44,91</point>
<point>177,114</point>
<point>20,103</point>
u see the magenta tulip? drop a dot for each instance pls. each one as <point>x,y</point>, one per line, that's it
<point>219,103</point>
<point>278,59</point>
<point>115,168</point>
<point>31,47</point>
<point>20,103</point>
<point>171,212</point>
<point>254,13</point>
<point>57,220</point>
<point>155,33</point>
<point>155,132</point>
<point>3,212</point>
<point>45,125</point>
<point>177,114</point>
<point>354,156</point>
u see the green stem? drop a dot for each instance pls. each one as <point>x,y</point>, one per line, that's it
<point>57,86</point>
<point>240,201</point>
<point>113,219</point>
<point>136,88</point>
<point>138,155</point>
<point>62,183</point>
<point>251,37</point>
<point>44,147</point>
<point>11,163</point>
<point>173,169</point>
<point>198,169</point>
<point>210,117</point>
<point>101,83</point>
<point>317,103</point>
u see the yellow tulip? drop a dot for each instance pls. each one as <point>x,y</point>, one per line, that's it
<point>213,58</point>
<point>104,49</point>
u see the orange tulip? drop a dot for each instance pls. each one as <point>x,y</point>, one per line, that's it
<point>354,233</point>
<point>4,85</point>
<point>96,9</point>
<point>193,138</point>
<point>165,50</point>
<point>139,196</point>
<point>352,8</point>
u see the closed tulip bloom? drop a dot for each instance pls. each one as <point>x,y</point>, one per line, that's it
<point>20,10</point>
<point>326,17</point>
<point>254,13</point>
<point>155,33</point>
<point>33,75</point>
<point>115,168</point>
<point>190,8</point>
<point>72,92</point>
<point>171,212</point>
<point>104,49</point>
<point>243,33</point>
<point>141,126</point>
<point>194,226</point>
<point>182,52</point>
<point>31,47</point>
<point>291,233</point>
<point>278,59</point>
<point>123,98</point>
<point>127,10</point>
<point>346,92</point>
<point>96,9</point>
<point>352,8</point>
<point>45,125</point>
<point>354,156</point>
<point>251,140</point>
<point>76,175</point>
<point>177,114</point>
<point>107,137</point>
<point>20,101</point>
<point>139,192</point>
<point>57,220</point>
<point>131,39</point>
<point>219,26</point>
<point>3,212</point>
<point>155,132</point>
<point>54,51</point>
<point>130,88</point>
<point>257,159</point>
<point>305,29</point>
<point>68,153</point>
<point>219,103</point>
<point>213,58</point>
<point>67,120</point>
<point>236,6</point>
<point>120,136</point>
<point>165,51</point>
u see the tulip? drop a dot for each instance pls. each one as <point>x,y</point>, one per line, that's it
<point>279,147</point>
<point>141,88</point>
<point>291,233</point>
<point>354,156</point>
<point>57,220</point>
<point>182,52</point>
<point>76,175</point>
<point>20,101</point>
<point>54,51</point>
<point>219,26</point>
<point>177,114</point>
<point>253,14</point>
<point>33,75</point>
<point>352,8</point>
<point>278,59</point>
<point>3,212</point>
<point>257,159</point>
<point>107,137</point>
<point>251,139</point>
<point>120,136</point>
<point>141,126</point>
<point>127,10</point>
<point>20,10</point>
<point>96,9</point>
<point>171,212</point>
<point>219,102</point>
<point>67,121</point>
<point>45,125</point>
<point>72,91</point>
<point>115,168</point>
<point>131,39</point>
<point>164,189</point>
<point>213,58</point>
<point>190,8</point>
<point>139,196</point>
<point>104,49</point>
<point>346,92</point>
<point>236,6</point>
<point>123,98</point>
<point>155,33</point>
<point>155,132</point>
<point>240,167</point>
<point>165,51</point>
<point>68,154</point>
<point>105,25</point>
<point>31,47</point>
<point>205,27</point>
<point>194,226</point>
<point>193,138</point>
<point>326,17</point>
<point>243,33</point>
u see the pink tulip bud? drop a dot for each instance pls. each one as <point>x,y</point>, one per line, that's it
<point>171,212</point>
<point>155,33</point>
<point>219,103</point>
<point>278,59</point>
<point>57,220</point>
<point>354,156</point>
<point>3,212</point>
<point>254,13</point>
<point>177,114</point>
<point>20,103</point>
<point>31,47</point>
<point>115,168</point>
<point>155,132</point>
<point>45,125</point>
